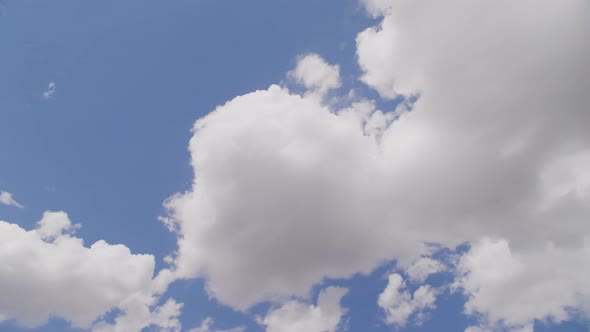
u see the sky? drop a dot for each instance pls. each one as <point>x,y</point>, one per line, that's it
<point>285,166</point>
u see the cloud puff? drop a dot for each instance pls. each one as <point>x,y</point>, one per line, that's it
<point>540,284</point>
<point>139,314</point>
<point>399,304</point>
<point>50,90</point>
<point>6,199</point>
<point>288,191</point>
<point>315,74</point>
<point>295,316</point>
<point>208,322</point>
<point>47,272</point>
<point>424,267</point>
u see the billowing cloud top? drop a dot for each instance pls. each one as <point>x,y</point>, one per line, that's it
<point>288,191</point>
<point>46,272</point>
<point>315,74</point>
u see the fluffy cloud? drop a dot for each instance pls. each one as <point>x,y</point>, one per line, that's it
<point>504,117</point>
<point>295,316</point>
<point>487,130</point>
<point>314,73</point>
<point>139,314</point>
<point>47,272</point>
<point>208,322</point>
<point>288,191</point>
<point>540,284</point>
<point>424,267</point>
<point>399,304</point>
<point>6,199</point>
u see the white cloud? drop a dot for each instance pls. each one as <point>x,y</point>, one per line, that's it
<point>399,305</point>
<point>540,284</point>
<point>47,272</point>
<point>139,314</point>
<point>506,111</point>
<point>50,90</point>
<point>295,316</point>
<point>208,322</point>
<point>314,73</point>
<point>282,187</point>
<point>6,199</point>
<point>288,191</point>
<point>53,225</point>
<point>422,268</point>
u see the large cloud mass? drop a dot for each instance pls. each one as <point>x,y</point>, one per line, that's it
<point>502,89</point>
<point>288,191</point>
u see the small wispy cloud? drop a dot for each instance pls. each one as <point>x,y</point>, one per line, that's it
<point>2,8</point>
<point>6,199</point>
<point>50,90</point>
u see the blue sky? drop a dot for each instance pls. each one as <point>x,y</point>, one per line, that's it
<point>97,104</point>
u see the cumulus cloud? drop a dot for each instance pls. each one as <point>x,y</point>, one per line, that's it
<point>6,199</point>
<point>139,314</point>
<point>295,316</point>
<point>206,326</point>
<point>50,90</point>
<point>315,74</point>
<point>541,284</point>
<point>399,305</point>
<point>288,191</point>
<point>47,272</point>
<point>491,145</point>
<point>507,113</point>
